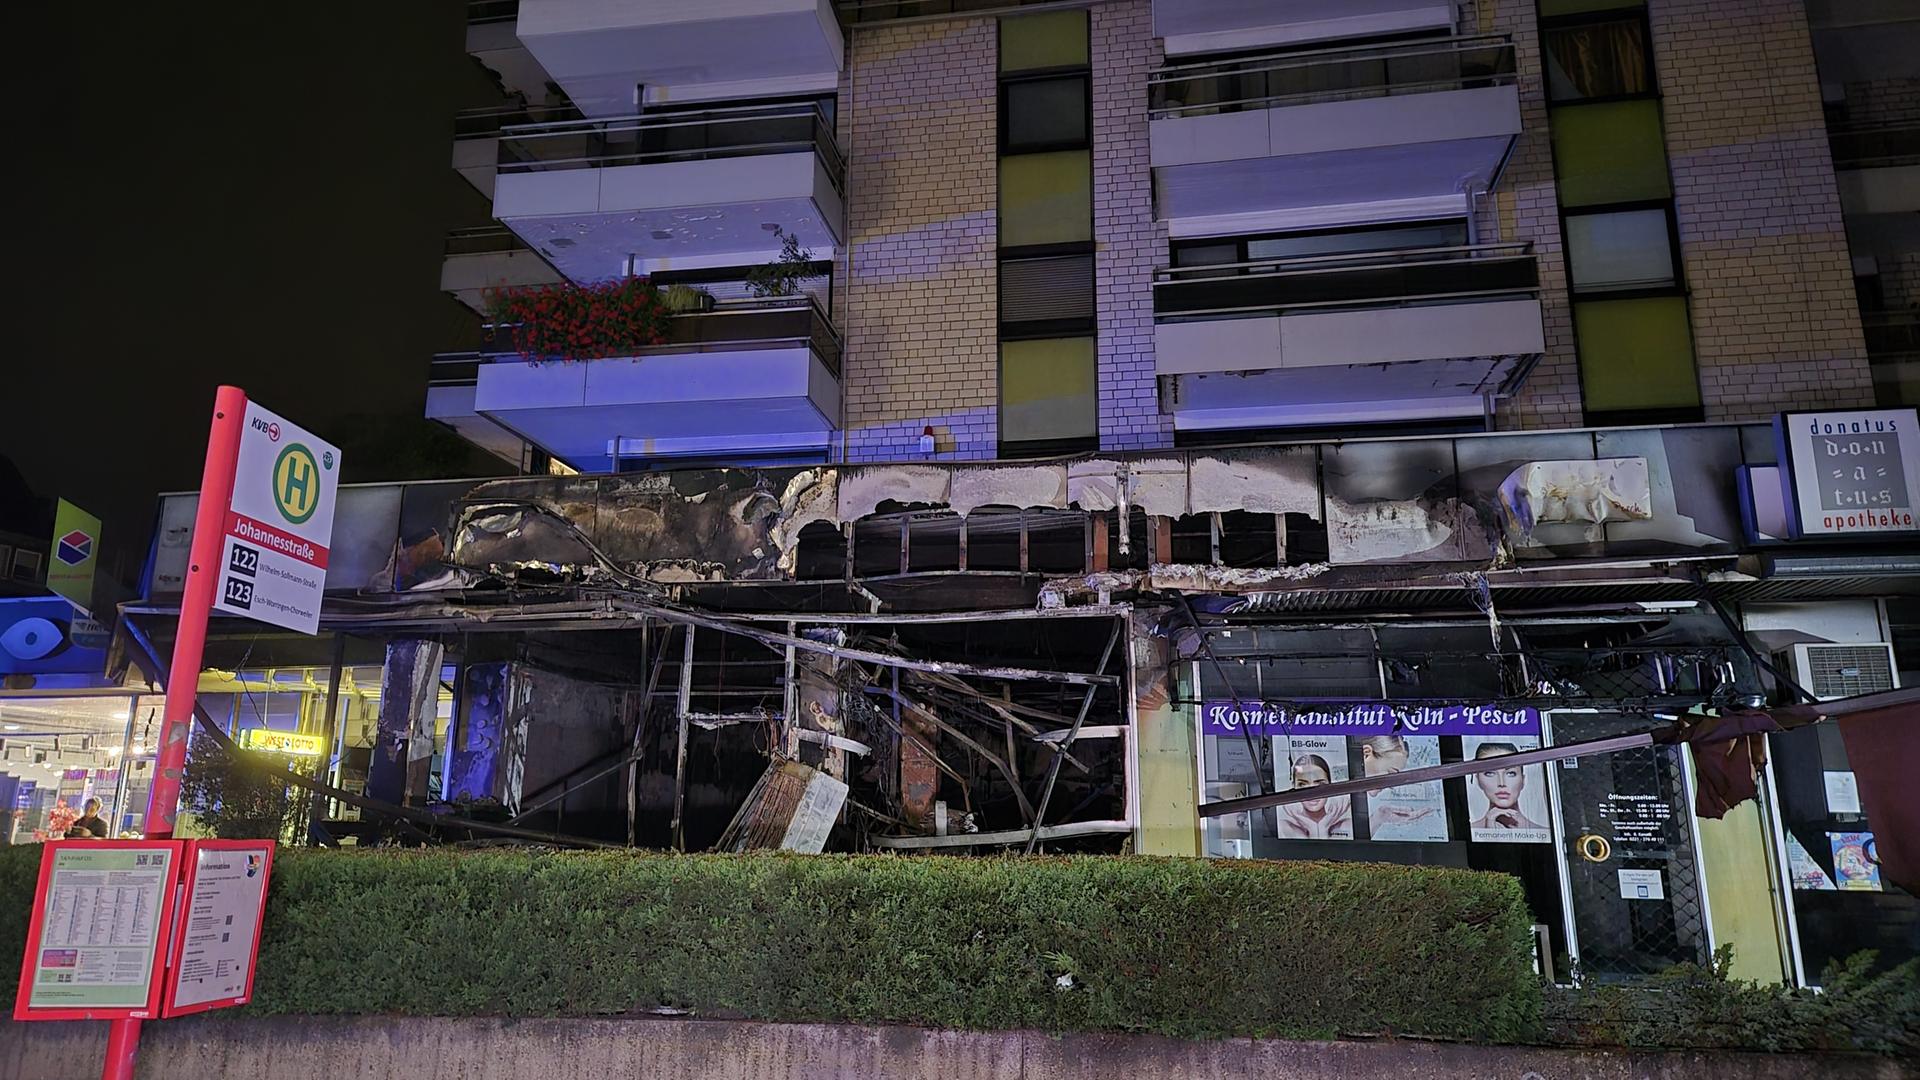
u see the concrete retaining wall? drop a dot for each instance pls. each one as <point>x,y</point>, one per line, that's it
<point>481,1049</point>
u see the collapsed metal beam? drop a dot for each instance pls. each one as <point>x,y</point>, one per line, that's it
<point>622,608</point>
<point>1005,767</point>
<point>1053,767</point>
<point>1010,836</point>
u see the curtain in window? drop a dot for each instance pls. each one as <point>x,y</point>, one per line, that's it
<point>1597,60</point>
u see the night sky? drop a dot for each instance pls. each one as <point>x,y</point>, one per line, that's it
<point>226,192</point>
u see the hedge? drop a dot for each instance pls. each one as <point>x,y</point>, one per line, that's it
<point>1702,1007</point>
<point>1172,946</point>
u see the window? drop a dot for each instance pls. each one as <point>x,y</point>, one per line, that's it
<point>1626,249</point>
<point>1047,296</point>
<point>1597,60</point>
<point>1051,39</point>
<point>26,566</point>
<point>1610,153</point>
<point>1550,8</point>
<point>1636,355</point>
<point>1049,400</point>
<point>1046,199</point>
<point>1044,114</point>
<point>1411,236</point>
<point>1048,392</point>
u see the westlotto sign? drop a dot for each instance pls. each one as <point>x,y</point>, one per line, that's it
<point>1852,474</point>
<point>273,561</point>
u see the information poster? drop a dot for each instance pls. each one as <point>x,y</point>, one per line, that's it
<point>1843,793</point>
<point>1856,864</point>
<point>214,949</point>
<point>1410,812</point>
<point>1309,761</point>
<point>1640,820</point>
<point>94,946</point>
<point>1505,804</point>
<point>1642,885</point>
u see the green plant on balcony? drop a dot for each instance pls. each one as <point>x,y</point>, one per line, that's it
<point>782,276</point>
<point>580,322</point>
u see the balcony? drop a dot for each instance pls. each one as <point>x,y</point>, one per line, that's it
<point>476,137</point>
<point>491,41</point>
<point>1209,26</point>
<point>1893,348</point>
<point>747,378</point>
<point>687,187</point>
<point>489,258</point>
<point>1878,168</point>
<point>600,50</point>
<point>1335,136</point>
<point>1351,338</point>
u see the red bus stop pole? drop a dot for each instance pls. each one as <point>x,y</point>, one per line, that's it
<point>183,678</point>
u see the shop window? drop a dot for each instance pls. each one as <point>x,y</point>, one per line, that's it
<point>1597,60</point>
<point>1048,391</point>
<point>1046,199</point>
<point>1636,355</point>
<point>1052,39</point>
<point>1038,115</point>
<point>1626,249</point>
<point>1610,153</point>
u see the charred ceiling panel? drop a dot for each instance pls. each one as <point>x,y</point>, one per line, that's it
<point>1694,507</point>
<point>696,525</point>
<point>1390,502</point>
<point>1259,480</point>
<point>811,495</point>
<point>1154,485</point>
<point>863,490</point>
<point>1022,487</point>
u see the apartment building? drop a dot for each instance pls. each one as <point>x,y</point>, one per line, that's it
<point>1053,423</point>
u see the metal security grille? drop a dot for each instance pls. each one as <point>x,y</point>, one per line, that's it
<point>1638,909</point>
<point>1837,671</point>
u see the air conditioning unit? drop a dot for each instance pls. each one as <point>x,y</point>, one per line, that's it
<point>1838,671</point>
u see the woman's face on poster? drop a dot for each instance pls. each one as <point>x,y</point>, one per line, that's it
<point>1308,775</point>
<point>1382,763</point>
<point>1502,786</point>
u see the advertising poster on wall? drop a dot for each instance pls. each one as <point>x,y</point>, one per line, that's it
<point>1854,863</point>
<point>1308,761</point>
<point>1411,812</point>
<point>1505,805</point>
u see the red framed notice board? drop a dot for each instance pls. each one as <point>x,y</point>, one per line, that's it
<point>217,937</point>
<point>101,925</point>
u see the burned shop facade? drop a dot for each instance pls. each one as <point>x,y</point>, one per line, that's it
<point>1099,654</point>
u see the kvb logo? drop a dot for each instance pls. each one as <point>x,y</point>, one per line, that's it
<point>268,428</point>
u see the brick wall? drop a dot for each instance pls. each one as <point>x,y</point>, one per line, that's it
<point>1883,101</point>
<point>1774,319</point>
<point>1129,242</point>
<point>1526,206</point>
<point>1900,280</point>
<point>918,300</point>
